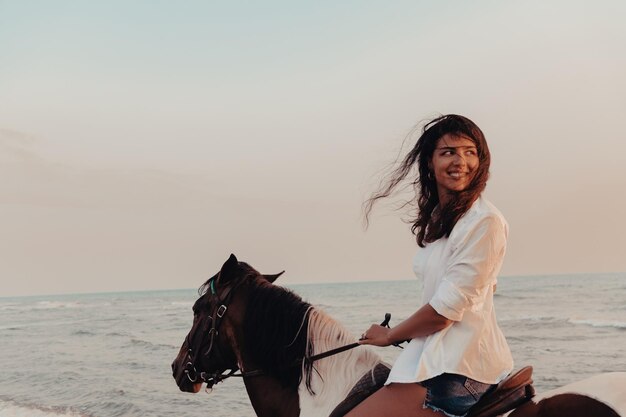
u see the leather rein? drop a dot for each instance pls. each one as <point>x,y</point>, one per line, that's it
<point>221,307</point>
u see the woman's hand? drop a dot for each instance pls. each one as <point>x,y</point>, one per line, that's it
<point>423,322</point>
<point>376,335</point>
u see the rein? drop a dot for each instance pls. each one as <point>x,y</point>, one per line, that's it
<point>340,349</point>
<point>212,378</point>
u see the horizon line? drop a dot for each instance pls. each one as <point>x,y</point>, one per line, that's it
<point>130,291</point>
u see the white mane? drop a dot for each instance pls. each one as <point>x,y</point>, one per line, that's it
<point>332,377</point>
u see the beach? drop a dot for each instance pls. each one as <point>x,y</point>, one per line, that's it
<point>109,354</point>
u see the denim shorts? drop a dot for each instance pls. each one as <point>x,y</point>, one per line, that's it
<point>453,394</point>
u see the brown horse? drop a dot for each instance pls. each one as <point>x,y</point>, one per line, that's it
<point>243,323</point>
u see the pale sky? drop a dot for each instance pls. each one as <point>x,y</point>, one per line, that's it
<point>142,142</point>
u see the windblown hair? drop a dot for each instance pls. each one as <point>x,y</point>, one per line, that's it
<point>275,324</point>
<point>433,221</point>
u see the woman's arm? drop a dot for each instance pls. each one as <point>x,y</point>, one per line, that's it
<point>423,322</point>
<point>472,268</point>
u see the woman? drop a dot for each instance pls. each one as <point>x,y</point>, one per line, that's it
<point>457,352</point>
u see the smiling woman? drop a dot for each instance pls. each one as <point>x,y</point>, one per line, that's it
<point>454,164</point>
<point>452,159</point>
<point>457,352</point>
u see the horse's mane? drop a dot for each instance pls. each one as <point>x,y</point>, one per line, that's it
<point>275,323</point>
<point>343,369</point>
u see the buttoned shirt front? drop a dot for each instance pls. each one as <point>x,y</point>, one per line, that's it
<point>458,275</point>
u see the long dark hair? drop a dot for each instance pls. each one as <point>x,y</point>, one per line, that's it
<point>433,221</point>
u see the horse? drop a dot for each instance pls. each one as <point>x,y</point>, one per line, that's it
<point>246,326</point>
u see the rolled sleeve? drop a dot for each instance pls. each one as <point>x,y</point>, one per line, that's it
<point>449,301</point>
<point>474,265</point>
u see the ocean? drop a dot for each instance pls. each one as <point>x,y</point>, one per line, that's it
<point>109,354</point>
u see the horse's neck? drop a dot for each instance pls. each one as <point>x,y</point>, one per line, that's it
<point>332,378</point>
<point>270,399</point>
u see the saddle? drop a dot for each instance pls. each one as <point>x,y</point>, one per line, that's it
<point>367,385</point>
<point>513,391</point>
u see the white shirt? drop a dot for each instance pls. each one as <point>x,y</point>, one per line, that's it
<point>458,275</point>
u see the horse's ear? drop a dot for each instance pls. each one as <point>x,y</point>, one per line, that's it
<point>229,268</point>
<point>272,278</point>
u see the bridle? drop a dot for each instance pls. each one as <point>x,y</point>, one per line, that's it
<point>220,304</point>
<point>194,374</point>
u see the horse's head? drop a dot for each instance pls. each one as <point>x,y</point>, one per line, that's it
<point>210,348</point>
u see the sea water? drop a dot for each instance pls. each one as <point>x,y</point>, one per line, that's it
<point>110,354</point>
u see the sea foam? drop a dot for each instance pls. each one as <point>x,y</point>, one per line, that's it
<point>600,323</point>
<point>11,409</point>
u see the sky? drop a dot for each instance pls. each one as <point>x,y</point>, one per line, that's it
<point>143,142</point>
